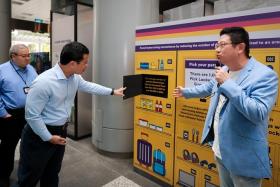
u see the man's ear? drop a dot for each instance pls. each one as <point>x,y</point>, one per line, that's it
<point>12,56</point>
<point>241,48</point>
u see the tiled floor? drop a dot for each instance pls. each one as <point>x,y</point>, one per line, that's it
<point>84,167</point>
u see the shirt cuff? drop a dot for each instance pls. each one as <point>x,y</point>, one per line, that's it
<point>46,136</point>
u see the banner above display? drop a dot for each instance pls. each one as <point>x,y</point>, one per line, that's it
<point>254,43</point>
<point>202,34</point>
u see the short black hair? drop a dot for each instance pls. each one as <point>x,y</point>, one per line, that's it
<point>238,35</point>
<point>73,51</point>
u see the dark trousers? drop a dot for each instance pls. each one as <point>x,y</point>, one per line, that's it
<point>10,132</point>
<point>39,160</point>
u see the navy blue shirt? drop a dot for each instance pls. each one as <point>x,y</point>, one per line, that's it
<point>13,79</point>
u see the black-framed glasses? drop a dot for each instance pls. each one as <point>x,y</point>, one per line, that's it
<point>23,55</point>
<point>222,44</point>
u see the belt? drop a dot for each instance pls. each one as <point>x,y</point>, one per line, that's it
<point>55,130</point>
<point>58,130</point>
<point>60,127</point>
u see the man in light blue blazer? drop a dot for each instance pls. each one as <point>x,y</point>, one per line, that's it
<point>243,94</point>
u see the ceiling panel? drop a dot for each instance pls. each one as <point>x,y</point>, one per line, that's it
<point>31,10</point>
<point>40,9</point>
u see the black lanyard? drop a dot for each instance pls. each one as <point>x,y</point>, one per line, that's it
<point>18,73</point>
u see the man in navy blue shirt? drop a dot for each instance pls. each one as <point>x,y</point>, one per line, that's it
<point>16,76</point>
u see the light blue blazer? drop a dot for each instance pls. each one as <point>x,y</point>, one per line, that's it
<point>243,121</point>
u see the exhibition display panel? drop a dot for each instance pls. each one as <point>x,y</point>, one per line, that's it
<point>167,130</point>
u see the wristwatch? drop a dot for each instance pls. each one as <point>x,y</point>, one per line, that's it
<point>112,92</point>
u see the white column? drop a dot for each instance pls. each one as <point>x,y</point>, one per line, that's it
<point>113,57</point>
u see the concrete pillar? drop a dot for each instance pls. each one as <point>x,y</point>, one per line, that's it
<point>113,57</point>
<point>5,31</point>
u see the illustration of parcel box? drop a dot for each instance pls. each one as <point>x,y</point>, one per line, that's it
<point>144,151</point>
<point>159,162</point>
<point>154,154</point>
<point>186,175</point>
<point>154,121</point>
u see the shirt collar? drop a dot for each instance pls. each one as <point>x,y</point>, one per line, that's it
<point>17,68</point>
<point>59,73</point>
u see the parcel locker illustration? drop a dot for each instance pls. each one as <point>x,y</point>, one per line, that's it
<point>144,151</point>
<point>159,162</point>
<point>186,179</point>
<point>154,115</point>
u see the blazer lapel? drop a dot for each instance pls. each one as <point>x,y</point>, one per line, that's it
<point>245,71</point>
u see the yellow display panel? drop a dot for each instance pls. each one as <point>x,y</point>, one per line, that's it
<point>272,182</point>
<point>169,100</point>
<point>191,63</point>
<point>194,154</point>
<point>154,114</point>
<point>155,105</point>
<point>187,111</point>
<point>155,62</point>
<point>271,58</point>
<point>198,75</point>
<point>186,174</point>
<point>194,175</point>
<point>189,131</point>
<point>153,154</point>
<point>190,117</point>
<point>274,126</point>
<point>278,179</point>
<point>278,148</point>
<point>209,179</point>
<point>274,163</point>
<point>155,122</point>
<point>274,155</point>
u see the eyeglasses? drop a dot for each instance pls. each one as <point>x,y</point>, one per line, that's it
<point>23,55</point>
<point>221,45</point>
